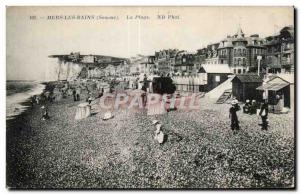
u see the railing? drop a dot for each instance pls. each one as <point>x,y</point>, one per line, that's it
<point>188,88</point>
<point>223,56</point>
<point>239,55</point>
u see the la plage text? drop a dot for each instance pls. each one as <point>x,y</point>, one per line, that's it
<point>159,17</point>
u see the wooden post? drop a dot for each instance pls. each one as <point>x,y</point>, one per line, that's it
<point>258,68</point>
<point>59,67</point>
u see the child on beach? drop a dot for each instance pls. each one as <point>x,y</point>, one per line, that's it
<point>264,115</point>
<point>45,114</point>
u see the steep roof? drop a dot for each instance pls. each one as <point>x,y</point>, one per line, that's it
<point>215,68</point>
<point>286,77</point>
<point>289,29</point>
<point>248,78</point>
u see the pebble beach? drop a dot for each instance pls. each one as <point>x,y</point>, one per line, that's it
<point>200,150</point>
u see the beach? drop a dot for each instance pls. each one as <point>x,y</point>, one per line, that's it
<point>201,151</point>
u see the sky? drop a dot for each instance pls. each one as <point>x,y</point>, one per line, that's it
<point>29,42</point>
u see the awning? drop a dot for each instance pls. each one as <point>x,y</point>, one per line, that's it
<point>272,86</point>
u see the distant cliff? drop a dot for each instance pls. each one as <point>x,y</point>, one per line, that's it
<point>74,65</point>
<point>58,69</point>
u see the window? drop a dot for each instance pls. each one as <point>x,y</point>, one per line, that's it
<point>235,61</point>
<point>217,78</point>
<point>234,71</point>
<point>239,71</point>
<point>239,61</point>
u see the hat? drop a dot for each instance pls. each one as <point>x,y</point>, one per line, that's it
<point>247,100</point>
<point>42,107</point>
<point>108,115</point>
<point>234,102</point>
<point>154,122</point>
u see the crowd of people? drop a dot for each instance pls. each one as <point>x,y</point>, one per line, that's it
<point>248,108</point>
<point>41,100</point>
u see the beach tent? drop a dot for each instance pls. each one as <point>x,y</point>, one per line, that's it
<point>282,88</point>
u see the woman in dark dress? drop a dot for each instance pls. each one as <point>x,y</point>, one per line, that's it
<point>233,116</point>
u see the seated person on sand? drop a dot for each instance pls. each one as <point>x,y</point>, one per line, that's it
<point>247,106</point>
<point>89,99</point>
<point>253,107</point>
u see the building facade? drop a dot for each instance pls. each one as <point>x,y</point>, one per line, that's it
<point>287,41</point>
<point>248,54</point>
<point>242,54</point>
<point>147,66</point>
<point>165,61</point>
<point>185,63</point>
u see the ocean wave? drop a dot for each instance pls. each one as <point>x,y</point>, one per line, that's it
<point>15,99</point>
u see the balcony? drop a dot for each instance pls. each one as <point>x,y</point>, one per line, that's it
<point>288,47</point>
<point>287,61</point>
<point>223,56</point>
<point>239,55</point>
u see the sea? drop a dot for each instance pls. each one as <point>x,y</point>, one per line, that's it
<point>18,92</point>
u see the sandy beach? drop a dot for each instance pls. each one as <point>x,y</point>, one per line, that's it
<point>200,152</point>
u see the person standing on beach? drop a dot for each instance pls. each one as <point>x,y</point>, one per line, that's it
<point>45,114</point>
<point>32,101</point>
<point>264,115</point>
<point>144,95</point>
<point>101,93</point>
<point>233,116</point>
<point>37,100</point>
<point>74,95</point>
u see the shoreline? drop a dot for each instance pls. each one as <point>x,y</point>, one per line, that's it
<point>25,104</point>
<point>14,130</point>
